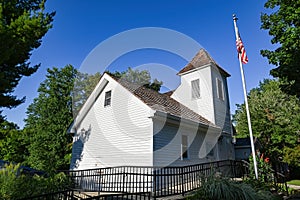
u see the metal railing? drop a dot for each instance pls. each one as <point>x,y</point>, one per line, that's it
<point>131,182</point>
<point>159,181</point>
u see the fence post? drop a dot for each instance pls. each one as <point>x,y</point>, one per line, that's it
<point>123,188</point>
<point>72,194</point>
<point>182,181</point>
<point>154,183</point>
<point>81,183</point>
<point>99,181</point>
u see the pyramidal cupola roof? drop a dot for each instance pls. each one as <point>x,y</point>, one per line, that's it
<point>202,58</point>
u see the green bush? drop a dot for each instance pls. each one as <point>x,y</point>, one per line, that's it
<point>15,185</point>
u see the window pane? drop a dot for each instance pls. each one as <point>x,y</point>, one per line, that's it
<point>195,89</point>
<point>107,99</point>
<point>184,147</point>
<point>220,89</point>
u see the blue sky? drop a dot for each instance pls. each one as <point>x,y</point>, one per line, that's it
<point>79,26</point>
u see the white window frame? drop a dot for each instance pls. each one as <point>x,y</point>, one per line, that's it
<point>196,92</point>
<point>184,147</point>
<point>220,90</point>
<point>107,98</point>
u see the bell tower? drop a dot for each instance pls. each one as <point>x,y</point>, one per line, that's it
<point>204,90</point>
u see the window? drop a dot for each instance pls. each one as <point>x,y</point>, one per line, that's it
<point>184,147</point>
<point>195,89</point>
<point>107,100</point>
<point>220,90</point>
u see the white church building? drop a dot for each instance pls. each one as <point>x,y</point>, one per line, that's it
<point>125,124</point>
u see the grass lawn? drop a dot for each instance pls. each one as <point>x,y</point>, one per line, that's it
<point>294,182</point>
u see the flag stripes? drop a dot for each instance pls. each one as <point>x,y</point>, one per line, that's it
<point>241,50</point>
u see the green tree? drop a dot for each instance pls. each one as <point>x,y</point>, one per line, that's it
<point>22,25</point>
<point>283,25</point>
<point>49,117</point>
<point>275,118</point>
<point>139,77</point>
<point>13,143</point>
<point>83,87</point>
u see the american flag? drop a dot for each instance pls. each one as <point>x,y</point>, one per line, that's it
<point>241,51</point>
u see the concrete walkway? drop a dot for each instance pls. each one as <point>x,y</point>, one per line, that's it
<point>295,187</point>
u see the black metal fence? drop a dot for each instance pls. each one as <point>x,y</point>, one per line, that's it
<point>145,183</point>
<point>158,181</point>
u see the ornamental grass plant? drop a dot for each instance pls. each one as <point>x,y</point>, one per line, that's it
<point>216,188</point>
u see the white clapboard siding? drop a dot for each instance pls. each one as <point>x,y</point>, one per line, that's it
<point>221,106</point>
<point>204,104</point>
<point>209,105</point>
<point>119,134</point>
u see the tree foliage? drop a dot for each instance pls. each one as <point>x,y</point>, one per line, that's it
<point>49,117</point>
<point>283,25</point>
<point>22,25</point>
<point>14,184</point>
<point>83,87</point>
<point>275,118</point>
<point>142,78</point>
<point>13,143</point>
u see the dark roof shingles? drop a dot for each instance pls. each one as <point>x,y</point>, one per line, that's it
<point>163,102</point>
<point>202,58</point>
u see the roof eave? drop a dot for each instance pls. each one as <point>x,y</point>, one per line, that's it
<point>225,73</point>
<point>179,120</point>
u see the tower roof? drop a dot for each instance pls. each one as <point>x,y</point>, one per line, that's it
<point>202,58</point>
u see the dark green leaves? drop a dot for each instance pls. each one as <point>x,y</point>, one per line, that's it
<point>275,118</point>
<point>22,26</point>
<point>283,25</point>
<point>49,117</point>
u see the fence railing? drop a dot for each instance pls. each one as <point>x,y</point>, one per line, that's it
<point>159,181</point>
<point>129,182</point>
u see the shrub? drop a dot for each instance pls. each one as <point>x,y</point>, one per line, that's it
<point>15,185</point>
<point>215,188</point>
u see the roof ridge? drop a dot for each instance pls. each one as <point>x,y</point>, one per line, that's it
<point>202,58</point>
<point>202,52</point>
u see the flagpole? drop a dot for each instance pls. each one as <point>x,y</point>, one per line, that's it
<point>246,101</point>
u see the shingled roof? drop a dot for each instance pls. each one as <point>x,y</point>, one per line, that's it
<point>163,102</point>
<point>202,58</point>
